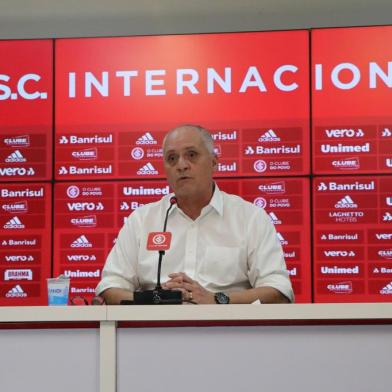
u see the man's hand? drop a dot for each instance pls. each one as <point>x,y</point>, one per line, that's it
<point>192,291</point>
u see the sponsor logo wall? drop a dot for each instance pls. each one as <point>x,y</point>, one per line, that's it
<point>25,238</point>
<point>115,99</point>
<point>352,238</point>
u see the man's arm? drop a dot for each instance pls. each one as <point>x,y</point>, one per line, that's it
<point>114,296</point>
<point>192,290</point>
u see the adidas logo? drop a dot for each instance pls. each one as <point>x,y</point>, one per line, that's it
<point>346,202</point>
<point>16,292</point>
<point>274,219</point>
<point>269,136</point>
<point>387,289</point>
<point>147,169</point>
<point>14,223</point>
<point>15,156</point>
<point>147,138</point>
<point>81,242</point>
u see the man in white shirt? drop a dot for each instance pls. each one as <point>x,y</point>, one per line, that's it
<point>224,249</point>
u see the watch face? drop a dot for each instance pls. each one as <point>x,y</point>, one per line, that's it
<point>221,298</point>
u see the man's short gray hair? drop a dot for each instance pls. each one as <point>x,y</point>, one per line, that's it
<point>205,135</point>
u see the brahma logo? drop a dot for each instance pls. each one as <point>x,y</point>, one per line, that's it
<point>341,133</point>
<point>260,166</point>
<point>269,136</point>
<point>387,289</point>
<point>147,170</point>
<point>341,288</point>
<point>81,242</point>
<point>137,153</point>
<point>147,138</point>
<point>18,274</point>
<point>85,221</point>
<point>273,187</point>
<point>73,191</point>
<point>18,141</point>
<point>16,292</point>
<point>89,154</point>
<point>19,207</point>
<point>385,253</point>
<point>346,202</point>
<point>14,157</point>
<point>14,223</point>
<point>260,202</point>
<point>347,164</point>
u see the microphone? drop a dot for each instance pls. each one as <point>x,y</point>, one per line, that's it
<point>159,241</point>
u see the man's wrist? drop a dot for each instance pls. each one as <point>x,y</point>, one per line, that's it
<point>221,298</point>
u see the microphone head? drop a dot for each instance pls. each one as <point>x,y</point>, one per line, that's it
<point>173,200</point>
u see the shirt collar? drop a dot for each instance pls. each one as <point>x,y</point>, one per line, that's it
<point>216,201</point>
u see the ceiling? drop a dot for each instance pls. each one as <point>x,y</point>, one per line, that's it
<point>73,18</point>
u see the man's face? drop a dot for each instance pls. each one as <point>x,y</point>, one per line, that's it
<point>188,164</point>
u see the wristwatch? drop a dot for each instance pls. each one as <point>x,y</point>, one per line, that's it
<point>222,298</point>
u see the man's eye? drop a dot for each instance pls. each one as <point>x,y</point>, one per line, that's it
<point>192,154</point>
<point>171,159</point>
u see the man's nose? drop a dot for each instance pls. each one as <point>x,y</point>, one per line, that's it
<point>182,163</point>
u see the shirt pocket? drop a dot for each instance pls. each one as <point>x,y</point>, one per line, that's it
<point>223,266</point>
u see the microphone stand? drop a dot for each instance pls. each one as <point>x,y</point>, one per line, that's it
<point>159,296</point>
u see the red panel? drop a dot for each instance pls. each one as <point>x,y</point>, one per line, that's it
<point>352,239</point>
<point>352,121</point>
<point>26,85</point>
<point>116,97</point>
<point>25,237</point>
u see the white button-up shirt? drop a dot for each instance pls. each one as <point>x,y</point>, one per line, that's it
<point>230,247</point>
